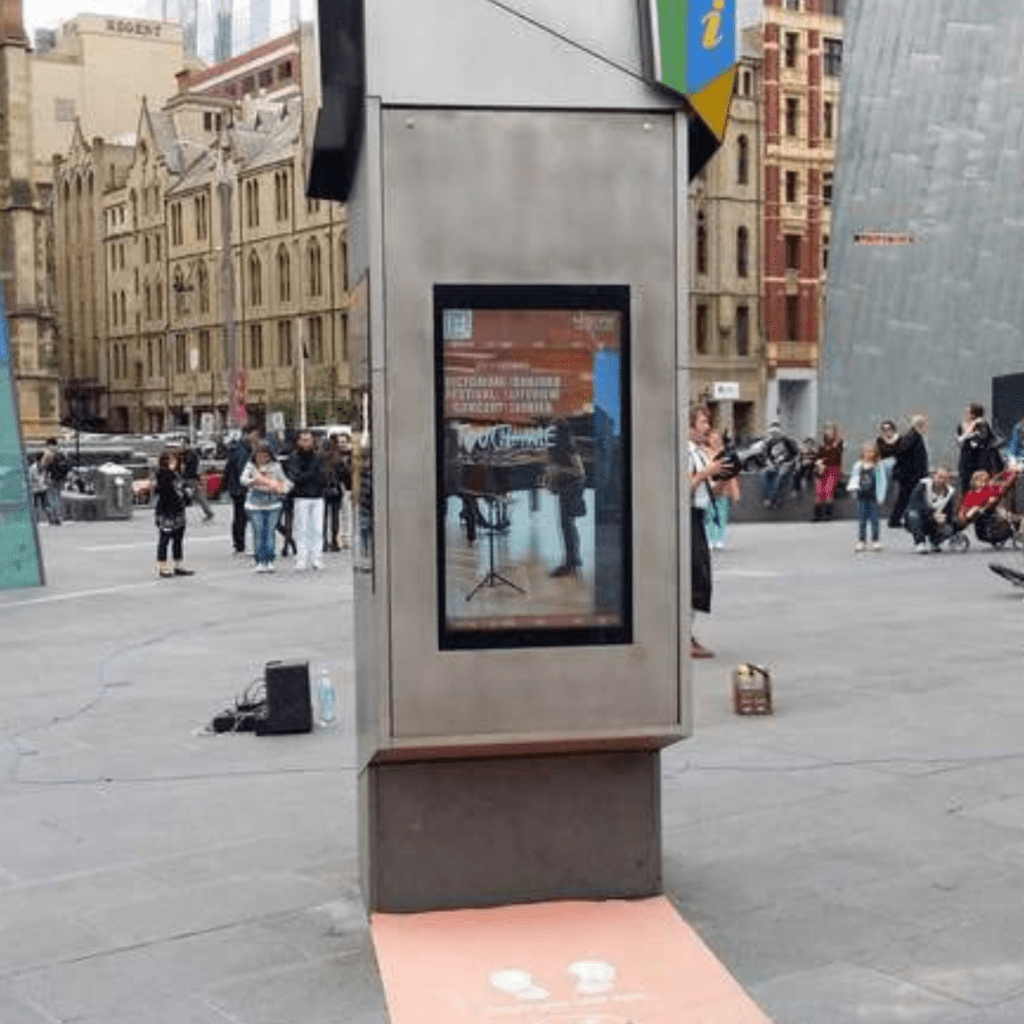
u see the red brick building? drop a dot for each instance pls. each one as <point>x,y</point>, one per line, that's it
<point>802,54</point>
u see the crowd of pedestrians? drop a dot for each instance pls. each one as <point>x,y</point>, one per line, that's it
<point>983,491</point>
<point>891,471</point>
<point>276,488</point>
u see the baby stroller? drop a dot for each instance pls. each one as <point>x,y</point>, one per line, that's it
<point>984,507</point>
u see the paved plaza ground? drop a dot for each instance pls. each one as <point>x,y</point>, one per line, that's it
<point>857,858</point>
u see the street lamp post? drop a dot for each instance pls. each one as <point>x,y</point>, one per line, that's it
<point>181,288</point>
<point>235,384</point>
<point>302,377</point>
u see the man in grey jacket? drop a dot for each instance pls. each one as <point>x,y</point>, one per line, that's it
<point>929,515</point>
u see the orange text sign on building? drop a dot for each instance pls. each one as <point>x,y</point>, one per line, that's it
<point>614,962</point>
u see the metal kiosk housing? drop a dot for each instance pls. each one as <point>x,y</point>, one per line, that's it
<point>509,145</point>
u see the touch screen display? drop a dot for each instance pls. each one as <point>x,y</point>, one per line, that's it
<point>533,474</point>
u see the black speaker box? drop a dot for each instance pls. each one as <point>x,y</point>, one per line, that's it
<point>289,708</point>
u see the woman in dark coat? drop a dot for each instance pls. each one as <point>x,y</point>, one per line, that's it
<point>566,477</point>
<point>977,446</point>
<point>339,480</point>
<point>170,515</point>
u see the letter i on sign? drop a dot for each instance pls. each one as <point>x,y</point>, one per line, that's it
<point>712,22</point>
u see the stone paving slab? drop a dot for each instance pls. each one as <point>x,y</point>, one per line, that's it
<point>856,857</point>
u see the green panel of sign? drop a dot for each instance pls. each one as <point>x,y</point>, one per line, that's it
<point>20,564</point>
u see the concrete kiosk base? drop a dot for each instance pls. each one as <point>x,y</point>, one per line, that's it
<point>439,835</point>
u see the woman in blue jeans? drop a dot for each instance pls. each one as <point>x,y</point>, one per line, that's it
<point>267,486</point>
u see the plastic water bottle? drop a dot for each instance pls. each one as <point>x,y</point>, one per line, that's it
<point>326,700</point>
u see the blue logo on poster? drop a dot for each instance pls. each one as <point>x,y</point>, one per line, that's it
<point>711,42</point>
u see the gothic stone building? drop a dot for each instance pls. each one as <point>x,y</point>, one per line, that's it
<point>26,244</point>
<point>211,269</point>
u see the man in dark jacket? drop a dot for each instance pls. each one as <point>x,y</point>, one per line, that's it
<point>910,465</point>
<point>238,456</point>
<point>305,469</point>
<point>54,468</point>
<point>195,488</point>
<point>930,511</point>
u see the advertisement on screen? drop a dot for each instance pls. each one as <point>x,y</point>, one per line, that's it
<point>533,529</point>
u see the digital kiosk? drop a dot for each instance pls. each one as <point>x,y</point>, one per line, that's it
<point>517,177</point>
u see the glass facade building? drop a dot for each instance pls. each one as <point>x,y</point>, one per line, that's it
<point>924,300</point>
<point>217,29</point>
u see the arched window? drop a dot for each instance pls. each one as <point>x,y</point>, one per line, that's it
<point>149,301</point>
<point>203,279</point>
<point>134,199</point>
<point>742,160</point>
<point>742,252</point>
<point>124,309</point>
<point>281,195</point>
<point>343,264</point>
<point>284,275</point>
<point>315,278</point>
<point>179,292</point>
<point>255,280</point>
<point>702,244</point>
<point>113,306</point>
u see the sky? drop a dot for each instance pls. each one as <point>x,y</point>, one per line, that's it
<point>47,13</point>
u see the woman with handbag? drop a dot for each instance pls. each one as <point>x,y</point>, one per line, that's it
<point>170,515</point>
<point>566,478</point>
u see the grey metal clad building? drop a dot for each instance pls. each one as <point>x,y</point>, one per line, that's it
<point>926,275</point>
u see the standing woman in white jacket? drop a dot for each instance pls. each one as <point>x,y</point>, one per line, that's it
<point>267,485</point>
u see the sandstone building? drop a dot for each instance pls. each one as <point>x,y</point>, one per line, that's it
<point>209,270</point>
<point>727,352</point>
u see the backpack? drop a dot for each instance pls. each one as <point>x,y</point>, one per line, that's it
<point>60,468</point>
